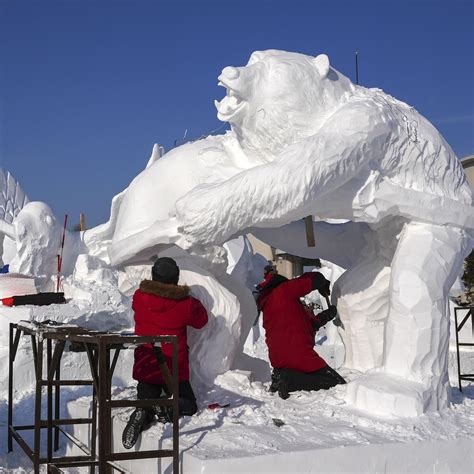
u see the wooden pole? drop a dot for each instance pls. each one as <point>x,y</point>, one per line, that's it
<point>310,240</point>
<point>82,222</point>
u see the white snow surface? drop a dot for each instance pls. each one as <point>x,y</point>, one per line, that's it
<point>321,432</point>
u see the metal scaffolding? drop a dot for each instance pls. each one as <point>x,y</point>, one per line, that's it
<point>98,346</point>
<point>458,327</point>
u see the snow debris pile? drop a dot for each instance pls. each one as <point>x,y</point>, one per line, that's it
<point>390,201</point>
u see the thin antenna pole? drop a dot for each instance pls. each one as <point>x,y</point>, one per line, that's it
<point>357,66</point>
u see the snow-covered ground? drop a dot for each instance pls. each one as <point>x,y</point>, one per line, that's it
<point>320,432</point>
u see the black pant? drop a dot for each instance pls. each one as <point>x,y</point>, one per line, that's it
<point>321,379</point>
<point>187,399</point>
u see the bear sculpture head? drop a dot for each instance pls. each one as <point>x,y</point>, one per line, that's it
<point>279,98</point>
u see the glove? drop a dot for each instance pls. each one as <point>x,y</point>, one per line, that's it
<point>324,290</point>
<point>321,284</point>
<point>328,314</point>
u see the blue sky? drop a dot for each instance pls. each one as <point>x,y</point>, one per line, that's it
<point>87,87</point>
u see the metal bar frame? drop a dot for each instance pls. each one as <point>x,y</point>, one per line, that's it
<point>13,346</point>
<point>106,454</point>
<point>458,327</point>
<point>39,339</point>
<point>98,347</point>
<point>56,363</point>
<point>91,355</point>
<point>38,396</point>
<point>104,436</point>
<point>49,390</point>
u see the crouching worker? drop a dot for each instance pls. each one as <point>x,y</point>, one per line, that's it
<point>162,307</point>
<point>290,329</point>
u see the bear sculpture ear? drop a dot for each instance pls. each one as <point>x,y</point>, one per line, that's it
<point>322,64</point>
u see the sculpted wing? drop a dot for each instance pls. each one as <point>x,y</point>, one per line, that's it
<point>12,200</point>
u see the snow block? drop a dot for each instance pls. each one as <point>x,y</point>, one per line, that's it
<point>391,397</point>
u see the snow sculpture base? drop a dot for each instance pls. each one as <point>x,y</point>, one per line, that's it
<point>320,434</point>
<point>210,455</point>
<point>392,397</point>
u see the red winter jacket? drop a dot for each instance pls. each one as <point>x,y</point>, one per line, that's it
<point>289,327</point>
<point>164,310</point>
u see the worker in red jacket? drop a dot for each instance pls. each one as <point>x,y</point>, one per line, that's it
<point>290,329</point>
<point>162,307</point>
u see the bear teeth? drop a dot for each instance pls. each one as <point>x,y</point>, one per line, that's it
<point>229,105</point>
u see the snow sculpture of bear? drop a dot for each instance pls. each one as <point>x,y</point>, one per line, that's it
<point>341,151</point>
<point>306,141</point>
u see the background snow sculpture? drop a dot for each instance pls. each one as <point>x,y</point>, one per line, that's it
<point>33,234</point>
<point>37,234</point>
<point>12,200</point>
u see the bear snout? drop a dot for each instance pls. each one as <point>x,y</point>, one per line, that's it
<point>230,73</point>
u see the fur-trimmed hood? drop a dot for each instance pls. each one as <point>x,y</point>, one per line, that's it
<point>174,292</point>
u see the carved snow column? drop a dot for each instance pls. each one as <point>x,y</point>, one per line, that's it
<point>427,261</point>
<point>361,295</point>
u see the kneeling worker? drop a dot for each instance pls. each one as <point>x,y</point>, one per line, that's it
<point>162,307</point>
<point>290,329</point>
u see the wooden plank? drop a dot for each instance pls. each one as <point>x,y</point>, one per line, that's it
<point>82,222</point>
<point>308,223</point>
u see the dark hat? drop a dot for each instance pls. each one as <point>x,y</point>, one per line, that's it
<point>275,281</point>
<point>271,283</point>
<point>165,270</point>
<point>269,268</point>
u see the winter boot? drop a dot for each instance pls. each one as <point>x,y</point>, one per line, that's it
<point>164,414</point>
<point>283,387</point>
<point>275,380</point>
<point>139,421</point>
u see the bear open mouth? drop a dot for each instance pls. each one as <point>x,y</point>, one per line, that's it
<point>230,105</point>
